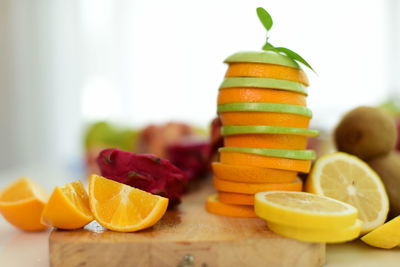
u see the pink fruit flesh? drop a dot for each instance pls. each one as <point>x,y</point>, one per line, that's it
<point>144,171</point>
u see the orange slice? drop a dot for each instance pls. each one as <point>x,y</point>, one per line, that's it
<point>21,204</point>
<point>213,205</point>
<point>264,118</point>
<point>260,70</point>
<point>279,141</point>
<point>250,174</point>
<point>245,188</point>
<point>260,95</point>
<point>238,158</point>
<point>236,198</point>
<point>124,208</point>
<point>68,207</point>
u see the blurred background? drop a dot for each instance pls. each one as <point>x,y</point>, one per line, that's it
<point>66,64</point>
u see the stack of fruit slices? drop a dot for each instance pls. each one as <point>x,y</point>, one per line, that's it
<point>262,106</point>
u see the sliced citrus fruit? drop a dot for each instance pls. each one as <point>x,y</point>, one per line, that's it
<point>265,107</point>
<point>264,118</point>
<point>349,179</point>
<point>304,210</point>
<point>237,158</point>
<point>277,141</point>
<point>318,235</point>
<point>264,129</point>
<point>269,83</point>
<point>262,70</point>
<point>273,152</point>
<point>68,207</point>
<point>123,208</point>
<point>246,188</point>
<point>260,95</point>
<point>236,198</point>
<point>270,57</point>
<point>385,236</point>
<point>21,204</point>
<point>213,205</point>
<point>250,174</point>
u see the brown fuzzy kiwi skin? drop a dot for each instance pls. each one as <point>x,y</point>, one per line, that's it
<point>366,132</point>
<point>388,168</point>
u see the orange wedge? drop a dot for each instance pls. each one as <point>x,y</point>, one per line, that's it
<point>68,207</point>
<point>260,70</point>
<point>213,205</point>
<point>245,188</point>
<point>236,198</point>
<point>123,208</point>
<point>264,118</point>
<point>279,141</point>
<point>260,95</point>
<point>238,158</point>
<point>21,204</point>
<point>250,174</point>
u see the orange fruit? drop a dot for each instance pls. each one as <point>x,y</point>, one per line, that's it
<point>213,205</point>
<point>260,95</point>
<point>236,198</point>
<point>264,118</point>
<point>246,188</point>
<point>279,141</point>
<point>251,174</point>
<point>123,208</point>
<point>260,70</point>
<point>68,207</point>
<point>238,158</point>
<point>21,204</point>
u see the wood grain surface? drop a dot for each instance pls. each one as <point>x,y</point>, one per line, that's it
<point>187,237</point>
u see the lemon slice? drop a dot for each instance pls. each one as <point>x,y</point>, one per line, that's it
<point>385,236</point>
<point>349,179</point>
<point>318,235</point>
<point>304,210</point>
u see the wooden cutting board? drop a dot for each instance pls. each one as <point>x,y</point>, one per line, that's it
<point>185,237</point>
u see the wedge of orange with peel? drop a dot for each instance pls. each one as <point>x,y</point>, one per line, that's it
<point>238,158</point>
<point>213,205</point>
<point>260,95</point>
<point>246,188</point>
<point>123,208</point>
<point>264,118</point>
<point>236,198</point>
<point>68,207</point>
<point>260,70</point>
<point>251,174</point>
<point>21,204</point>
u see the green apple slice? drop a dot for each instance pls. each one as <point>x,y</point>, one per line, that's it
<point>279,153</point>
<point>265,107</point>
<point>261,129</point>
<point>268,57</point>
<point>268,83</point>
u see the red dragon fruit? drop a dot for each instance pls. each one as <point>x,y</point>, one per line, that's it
<point>144,171</point>
<point>193,157</point>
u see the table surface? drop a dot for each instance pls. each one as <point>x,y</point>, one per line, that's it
<point>21,249</point>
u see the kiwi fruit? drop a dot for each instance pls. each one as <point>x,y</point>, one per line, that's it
<point>366,132</point>
<point>388,168</point>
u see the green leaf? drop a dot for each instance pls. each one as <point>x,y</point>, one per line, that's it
<point>268,46</point>
<point>265,18</point>
<point>293,55</point>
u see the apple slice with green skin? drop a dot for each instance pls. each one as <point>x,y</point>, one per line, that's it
<point>268,83</point>
<point>265,107</point>
<point>279,153</point>
<point>267,57</point>
<point>261,129</point>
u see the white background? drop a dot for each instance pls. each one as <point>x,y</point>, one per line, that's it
<point>65,63</point>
